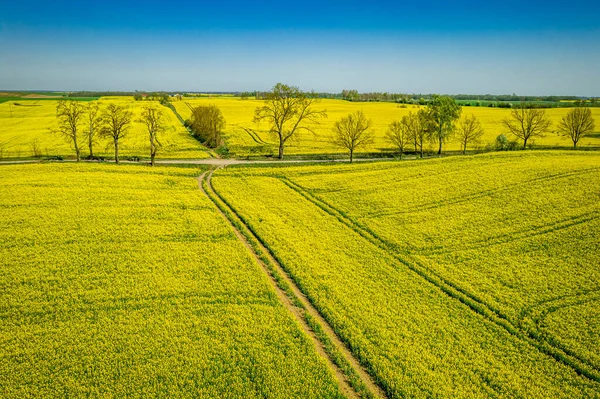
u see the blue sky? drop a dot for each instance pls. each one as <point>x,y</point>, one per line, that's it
<point>430,46</point>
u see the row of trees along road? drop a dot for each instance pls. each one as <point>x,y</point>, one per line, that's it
<point>88,121</point>
<point>288,110</point>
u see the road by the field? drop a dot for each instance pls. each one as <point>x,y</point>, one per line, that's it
<point>211,161</point>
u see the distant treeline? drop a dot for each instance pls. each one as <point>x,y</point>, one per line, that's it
<point>474,100</point>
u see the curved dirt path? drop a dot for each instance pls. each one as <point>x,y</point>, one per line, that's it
<point>300,314</point>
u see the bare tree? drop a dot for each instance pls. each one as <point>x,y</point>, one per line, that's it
<point>93,119</point>
<point>443,112</point>
<point>418,127</point>
<point>399,134</point>
<point>469,131</point>
<point>288,111</point>
<point>36,149</point>
<point>527,123</point>
<point>70,114</point>
<point>116,120</point>
<point>207,123</point>
<point>352,132</point>
<point>153,119</point>
<point>578,123</point>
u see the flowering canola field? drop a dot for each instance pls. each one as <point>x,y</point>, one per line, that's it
<point>449,278</point>
<point>32,121</point>
<point>245,138</point>
<point>124,281</point>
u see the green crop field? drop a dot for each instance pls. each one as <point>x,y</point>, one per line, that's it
<point>457,277</point>
<point>245,138</point>
<point>25,122</point>
<point>126,282</point>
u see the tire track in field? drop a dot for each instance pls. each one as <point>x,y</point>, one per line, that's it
<point>489,192</point>
<point>547,346</point>
<point>254,135</point>
<point>511,237</point>
<point>353,380</point>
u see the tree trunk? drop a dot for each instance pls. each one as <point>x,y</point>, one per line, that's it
<point>464,148</point>
<point>421,152</point>
<point>116,151</point>
<point>77,149</point>
<point>152,152</point>
<point>351,155</point>
<point>152,159</point>
<point>91,150</point>
<point>525,144</point>
<point>440,149</point>
<point>281,150</point>
<point>401,154</point>
<point>574,144</point>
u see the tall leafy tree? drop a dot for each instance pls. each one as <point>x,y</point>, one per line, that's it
<point>207,123</point>
<point>443,112</point>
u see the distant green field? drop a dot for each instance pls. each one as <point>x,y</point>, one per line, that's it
<point>124,281</point>
<point>449,278</point>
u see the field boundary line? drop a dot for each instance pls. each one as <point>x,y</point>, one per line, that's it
<point>549,347</point>
<point>354,381</point>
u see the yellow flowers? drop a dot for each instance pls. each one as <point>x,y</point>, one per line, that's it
<point>434,271</point>
<point>124,281</point>
<point>246,138</point>
<point>27,125</point>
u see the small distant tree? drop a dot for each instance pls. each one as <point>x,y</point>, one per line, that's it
<point>288,111</point>
<point>578,123</point>
<point>469,131</point>
<point>352,132</point>
<point>443,112</point>
<point>36,149</point>
<point>93,124</point>
<point>70,115</point>
<point>116,121</point>
<point>153,119</point>
<point>527,123</point>
<point>207,123</point>
<point>399,134</point>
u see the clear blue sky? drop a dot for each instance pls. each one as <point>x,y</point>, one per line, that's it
<point>499,46</point>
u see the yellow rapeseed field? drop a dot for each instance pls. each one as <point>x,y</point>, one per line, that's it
<point>22,126</point>
<point>246,138</point>
<point>124,281</point>
<point>449,278</point>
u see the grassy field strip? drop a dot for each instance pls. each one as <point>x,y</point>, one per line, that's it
<point>351,376</point>
<point>549,346</point>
